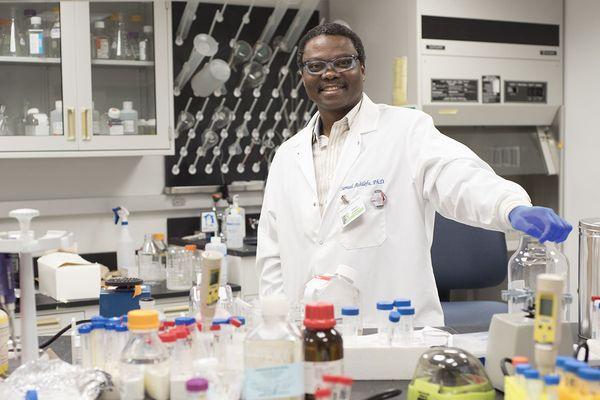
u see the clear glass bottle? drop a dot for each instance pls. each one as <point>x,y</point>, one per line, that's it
<point>323,346</point>
<point>144,364</point>
<point>35,33</point>
<point>53,40</point>
<point>133,39</point>
<point>149,258</point>
<point>274,344</point>
<point>161,245</point>
<point>100,41</point>
<point>531,259</point>
<point>146,44</point>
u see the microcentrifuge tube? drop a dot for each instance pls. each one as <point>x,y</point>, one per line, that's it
<point>204,46</point>
<point>189,15</point>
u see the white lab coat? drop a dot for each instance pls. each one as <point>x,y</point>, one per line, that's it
<point>420,170</point>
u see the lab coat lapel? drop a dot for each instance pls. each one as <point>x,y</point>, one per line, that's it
<point>304,153</point>
<point>366,121</point>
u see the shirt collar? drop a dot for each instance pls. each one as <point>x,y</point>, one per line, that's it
<point>349,118</point>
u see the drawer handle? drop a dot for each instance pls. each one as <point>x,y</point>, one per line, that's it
<point>48,322</point>
<point>176,309</point>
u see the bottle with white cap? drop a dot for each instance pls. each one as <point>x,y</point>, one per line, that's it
<point>273,356</point>
<point>339,289</point>
<point>56,119</point>
<point>146,45</point>
<point>100,41</point>
<point>129,116</point>
<point>115,124</point>
<point>36,37</point>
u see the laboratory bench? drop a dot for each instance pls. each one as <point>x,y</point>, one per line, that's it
<point>53,315</point>
<point>360,390</point>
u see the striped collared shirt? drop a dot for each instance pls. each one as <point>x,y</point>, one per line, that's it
<point>327,151</point>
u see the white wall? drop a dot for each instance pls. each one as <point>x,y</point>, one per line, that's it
<point>581,191</point>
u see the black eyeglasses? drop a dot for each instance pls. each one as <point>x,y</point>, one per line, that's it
<point>340,64</point>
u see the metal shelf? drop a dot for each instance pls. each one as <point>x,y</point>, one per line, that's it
<point>123,63</point>
<point>29,60</point>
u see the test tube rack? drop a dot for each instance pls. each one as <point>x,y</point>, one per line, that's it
<point>514,391</point>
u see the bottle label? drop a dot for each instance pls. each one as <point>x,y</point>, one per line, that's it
<point>314,371</point>
<point>57,128</point>
<point>102,48</point>
<point>36,43</point>
<point>115,130</point>
<point>128,127</point>
<point>280,381</point>
<point>143,55</point>
<point>55,33</point>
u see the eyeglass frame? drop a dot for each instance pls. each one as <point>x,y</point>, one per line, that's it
<point>329,64</point>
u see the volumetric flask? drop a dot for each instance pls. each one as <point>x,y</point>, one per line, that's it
<point>211,77</point>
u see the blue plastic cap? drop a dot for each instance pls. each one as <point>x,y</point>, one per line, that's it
<point>350,311</point>
<point>109,326</point>
<point>184,320</point>
<point>522,368</point>
<point>98,318</point>
<point>402,303</point>
<point>124,318</point>
<point>561,360</point>
<point>589,374</point>
<point>121,328</point>
<point>551,380</point>
<point>531,373</point>
<point>394,316</point>
<point>85,328</point>
<point>574,365</point>
<point>241,319</point>
<point>31,395</point>
<point>219,321</point>
<point>98,324</point>
<point>406,310</point>
<point>385,305</point>
<point>115,320</point>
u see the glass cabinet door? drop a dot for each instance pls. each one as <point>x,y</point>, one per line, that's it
<point>36,105</point>
<point>124,76</point>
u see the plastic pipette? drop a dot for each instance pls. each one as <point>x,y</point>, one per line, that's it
<point>189,15</point>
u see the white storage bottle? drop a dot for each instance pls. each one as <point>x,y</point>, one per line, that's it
<point>338,289</point>
<point>272,347</point>
<point>233,230</point>
<point>56,119</point>
<point>125,250</point>
<point>129,116</point>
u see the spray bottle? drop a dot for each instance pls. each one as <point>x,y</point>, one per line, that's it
<point>125,249</point>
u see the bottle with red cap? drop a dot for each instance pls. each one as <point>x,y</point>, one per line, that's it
<point>273,355</point>
<point>323,347</point>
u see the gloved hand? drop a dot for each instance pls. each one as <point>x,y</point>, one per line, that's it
<point>540,222</point>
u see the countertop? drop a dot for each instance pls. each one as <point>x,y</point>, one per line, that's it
<point>44,302</point>
<point>361,390</point>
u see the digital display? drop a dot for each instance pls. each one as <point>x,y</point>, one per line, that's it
<point>214,277</point>
<point>546,307</point>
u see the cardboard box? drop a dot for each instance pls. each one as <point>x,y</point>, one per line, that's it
<point>67,276</point>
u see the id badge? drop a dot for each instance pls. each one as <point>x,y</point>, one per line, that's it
<point>351,211</point>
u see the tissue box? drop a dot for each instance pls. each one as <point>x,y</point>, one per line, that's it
<point>67,276</point>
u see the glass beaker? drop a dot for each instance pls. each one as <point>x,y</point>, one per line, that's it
<point>179,269</point>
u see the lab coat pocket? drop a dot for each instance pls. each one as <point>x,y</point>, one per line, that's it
<point>368,230</point>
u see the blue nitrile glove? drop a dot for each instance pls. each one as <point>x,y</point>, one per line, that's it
<point>540,222</point>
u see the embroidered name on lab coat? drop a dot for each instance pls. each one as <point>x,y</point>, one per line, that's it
<point>379,181</point>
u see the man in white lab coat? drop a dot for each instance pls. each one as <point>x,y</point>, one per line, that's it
<point>361,183</point>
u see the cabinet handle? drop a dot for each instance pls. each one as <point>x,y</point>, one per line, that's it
<point>71,124</point>
<point>48,322</point>
<point>85,124</point>
<point>176,309</point>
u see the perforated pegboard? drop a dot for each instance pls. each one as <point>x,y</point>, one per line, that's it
<point>268,120</point>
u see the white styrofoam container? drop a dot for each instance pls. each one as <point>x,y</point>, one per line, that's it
<point>67,276</point>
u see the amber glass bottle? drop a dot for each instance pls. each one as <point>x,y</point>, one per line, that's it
<point>323,346</point>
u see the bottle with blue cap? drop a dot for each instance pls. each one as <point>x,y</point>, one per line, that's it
<point>406,325</point>
<point>520,373</point>
<point>384,307</point>
<point>589,382</point>
<point>401,302</point>
<point>533,384</point>
<point>85,338</point>
<point>551,386</point>
<point>98,341</point>
<point>351,322</point>
<point>392,328</point>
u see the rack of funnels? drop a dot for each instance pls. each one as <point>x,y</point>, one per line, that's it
<point>238,88</point>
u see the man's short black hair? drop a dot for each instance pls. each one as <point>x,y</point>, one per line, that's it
<point>331,29</point>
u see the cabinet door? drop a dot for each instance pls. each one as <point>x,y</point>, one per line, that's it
<point>123,63</point>
<point>37,92</point>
